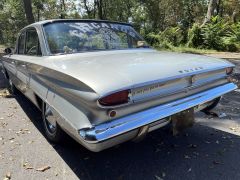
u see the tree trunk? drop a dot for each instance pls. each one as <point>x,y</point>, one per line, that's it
<point>28,11</point>
<point>218,7</point>
<point>211,7</point>
<point>234,16</point>
<point>100,9</point>
<point>63,9</point>
<point>87,9</point>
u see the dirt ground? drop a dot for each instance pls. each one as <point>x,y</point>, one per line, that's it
<point>225,55</point>
<point>209,150</point>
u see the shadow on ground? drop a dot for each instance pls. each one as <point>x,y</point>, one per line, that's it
<point>199,153</point>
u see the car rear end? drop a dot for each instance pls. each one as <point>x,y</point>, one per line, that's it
<point>133,112</point>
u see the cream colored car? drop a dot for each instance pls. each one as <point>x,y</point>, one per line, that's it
<point>100,83</point>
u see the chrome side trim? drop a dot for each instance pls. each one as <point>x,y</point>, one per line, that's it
<point>120,126</point>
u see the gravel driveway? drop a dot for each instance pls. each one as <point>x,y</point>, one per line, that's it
<point>209,150</point>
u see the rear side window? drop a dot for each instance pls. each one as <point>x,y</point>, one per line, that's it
<point>21,41</point>
<point>32,43</point>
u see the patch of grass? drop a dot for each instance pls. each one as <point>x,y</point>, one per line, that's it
<point>183,49</point>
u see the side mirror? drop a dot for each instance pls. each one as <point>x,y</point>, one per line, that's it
<point>8,51</point>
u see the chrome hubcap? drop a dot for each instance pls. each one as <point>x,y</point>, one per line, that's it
<point>49,118</point>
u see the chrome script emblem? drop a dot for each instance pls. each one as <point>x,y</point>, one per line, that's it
<point>191,70</point>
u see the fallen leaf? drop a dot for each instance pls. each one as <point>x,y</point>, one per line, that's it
<point>23,131</point>
<point>44,168</point>
<point>28,167</point>
<point>8,175</point>
<point>25,164</point>
<point>158,178</point>
<point>187,157</point>
<point>9,115</point>
<point>190,169</point>
<point>217,142</point>
<point>5,93</point>
<point>30,142</point>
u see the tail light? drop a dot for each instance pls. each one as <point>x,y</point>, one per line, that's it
<point>229,70</point>
<point>117,98</point>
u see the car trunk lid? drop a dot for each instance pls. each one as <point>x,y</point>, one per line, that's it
<point>110,71</point>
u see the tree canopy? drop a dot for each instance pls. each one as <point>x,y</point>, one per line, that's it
<point>164,23</point>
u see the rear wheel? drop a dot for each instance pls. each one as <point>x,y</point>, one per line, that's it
<point>52,130</point>
<point>212,106</point>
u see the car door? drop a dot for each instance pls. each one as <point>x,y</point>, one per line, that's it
<point>9,60</point>
<point>25,57</point>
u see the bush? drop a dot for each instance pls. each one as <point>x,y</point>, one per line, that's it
<point>216,35</point>
<point>213,33</point>
<point>195,38</point>
<point>233,39</point>
<point>172,36</point>
<point>152,39</point>
<point>221,35</point>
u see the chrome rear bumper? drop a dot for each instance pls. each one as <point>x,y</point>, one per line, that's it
<point>103,132</point>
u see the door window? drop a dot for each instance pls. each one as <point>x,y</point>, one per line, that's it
<point>32,43</point>
<point>21,41</point>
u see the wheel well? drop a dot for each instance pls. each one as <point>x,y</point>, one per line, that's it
<point>39,101</point>
<point>6,73</point>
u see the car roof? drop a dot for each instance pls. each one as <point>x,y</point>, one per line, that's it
<point>73,20</point>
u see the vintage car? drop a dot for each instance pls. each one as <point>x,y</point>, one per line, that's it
<point>100,83</point>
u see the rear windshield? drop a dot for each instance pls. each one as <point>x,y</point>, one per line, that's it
<point>73,37</point>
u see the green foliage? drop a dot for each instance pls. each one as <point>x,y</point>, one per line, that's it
<point>165,24</point>
<point>213,34</point>
<point>12,19</point>
<point>218,34</point>
<point>195,38</point>
<point>166,39</point>
<point>232,41</point>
